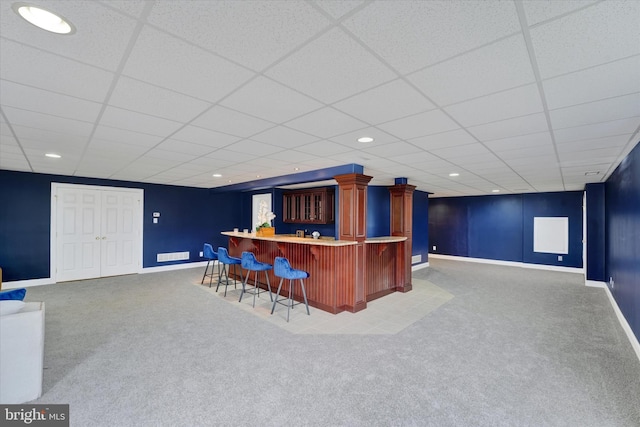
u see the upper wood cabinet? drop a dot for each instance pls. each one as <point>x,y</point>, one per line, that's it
<point>309,206</point>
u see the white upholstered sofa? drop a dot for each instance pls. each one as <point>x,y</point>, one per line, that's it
<point>21,353</point>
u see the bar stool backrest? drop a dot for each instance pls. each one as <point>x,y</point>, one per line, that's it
<point>208,252</point>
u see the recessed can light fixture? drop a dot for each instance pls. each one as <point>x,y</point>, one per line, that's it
<point>365,139</point>
<point>454,174</point>
<point>53,155</point>
<point>43,18</point>
<point>217,175</point>
<point>495,191</point>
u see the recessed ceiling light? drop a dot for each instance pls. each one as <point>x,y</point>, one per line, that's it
<point>454,174</point>
<point>53,155</point>
<point>296,169</point>
<point>365,139</point>
<point>217,175</point>
<point>495,191</point>
<point>44,19</point>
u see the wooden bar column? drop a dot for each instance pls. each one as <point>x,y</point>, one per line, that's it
<point>352,214</point>
<point>401,225</point>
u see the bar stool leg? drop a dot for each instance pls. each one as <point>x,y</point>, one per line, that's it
<point>304,294</point>
<point>205,271</point>
<point>290,302</point>
<point>224,271</point>
<point>275,301</point>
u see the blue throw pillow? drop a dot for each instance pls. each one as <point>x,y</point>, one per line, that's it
<point>13,294</point>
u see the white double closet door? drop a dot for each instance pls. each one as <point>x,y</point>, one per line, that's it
<point>96,231</point>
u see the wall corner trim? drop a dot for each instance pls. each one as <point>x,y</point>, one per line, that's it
<point>595,284</point>
<point>623,322</point>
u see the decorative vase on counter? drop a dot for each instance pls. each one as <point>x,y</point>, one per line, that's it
<point>266,231</point>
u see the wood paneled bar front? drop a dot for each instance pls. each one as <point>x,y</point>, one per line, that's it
<point>331,265</point>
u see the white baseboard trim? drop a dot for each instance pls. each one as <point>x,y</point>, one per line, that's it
<point>26,283</point>
<point>419,266</point>
<point>595,284</point>
<point>509,263</point>
<point>172,267</point>
<point>623,322</point>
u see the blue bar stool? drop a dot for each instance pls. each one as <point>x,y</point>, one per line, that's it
<point>225,259</point>
<point>282,269</point>
<point>211,257</point>
<point>249,262</point>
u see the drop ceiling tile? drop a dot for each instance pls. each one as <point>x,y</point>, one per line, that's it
<point>164,61</point>
<point>428,123</point>
<point>133,8</point>
<point>598,111</point>
<point>353,69</point>
<point>253,147</point>
<point>524,125</point>
<point>42,101</point>
<point>546,150</point>
<point>270,100</point>
<point>538,162</point>
<point>252,33</point>
<point>284,137</point>
<point>449,153</point>
<point>597,130</point>
<point>596,155</point>
<point>224,120</point>
<point>350,139</point>
<point>426,32</point>
<point>46,122</point>
<point>587,38</point>
<point>44,70</point>
<point>618,141</point>
<point>605,81</point>
<point>326,123</point>
<point>387,102</point>
<point>26,133</point>
<point>89,44</point>
<point>533,140</point>
<point>511,103</point>
<point>391,149</point>
<point>231,157</point>
<point>113,151</point>
<point>138,122</point>
<point>538,11</point>
<point>178,146</point>
<point>124,136</point>
<point>144,98</point>
<point>205,137</point>
<point>443,140</point>
<point>415,159</point>
<point>291,156</point>
<point>337,9</point>
<point>502,65</point>
<point>172,156</point>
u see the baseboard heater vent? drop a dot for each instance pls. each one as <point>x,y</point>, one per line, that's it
<point>416,259</point>
<point>172,256</point>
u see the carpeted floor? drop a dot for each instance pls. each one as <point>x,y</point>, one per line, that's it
<point>503,346</point>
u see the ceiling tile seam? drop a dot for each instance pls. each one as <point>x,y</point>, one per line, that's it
<point>69,58</point>
<point>117,74</point>
<point>590,67</point>
<point>66,95</point>
<point>488,94</point>
<point>564,15</point>
<point>536,72</point>
<point>15,136</point>
<point>107,5</point>
<point>593,102</point>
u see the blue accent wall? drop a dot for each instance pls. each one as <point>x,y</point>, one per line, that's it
<point>378,211</point>
<point>596,228</point>
<point>189,218</point>
<point>622,213</point>
<point>420,231</point>
<point>501,227</point>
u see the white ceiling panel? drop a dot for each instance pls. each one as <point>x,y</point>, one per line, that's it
<point>605,110</point>
<point>538,11</point>
<point>52,72</point>
<point>428,123</point>
<point>271,101</point>
<point>386,102</point>
<point>224,120</point>
<point>171,91</point>
<point>502,65</point>
<point>45,102</point>
<point>601,33</point>
<point>426,32</point>
<point>354,68</point>
<point>254,33</point>
<point>163,60</point>
<point>604,81</point>
<point>326,123</point>
<point>499,106</point>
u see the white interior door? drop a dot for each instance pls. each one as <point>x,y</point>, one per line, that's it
<point>97,231</point>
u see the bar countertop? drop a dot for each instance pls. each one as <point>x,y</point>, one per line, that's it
<point>289,239</point>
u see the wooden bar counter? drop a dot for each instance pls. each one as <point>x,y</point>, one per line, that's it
<point>331,266</point>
